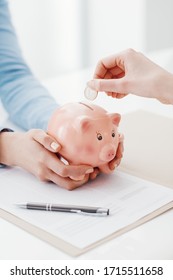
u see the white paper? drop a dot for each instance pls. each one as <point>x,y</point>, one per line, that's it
<point>128,198</point>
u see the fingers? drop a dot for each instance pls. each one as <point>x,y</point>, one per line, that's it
<point>116,161</point>
<point>50,168</point>
<point>66,183</point>
<point>119,153</point>
<point>105,169</point>
<point>45,140</point>
<point>78,170</point>
<point>118,95</point>
<point>111,74</point>
<point>109,85</point>
<point>64,170</point>
<point>113,64</point>
<point>95,173</point>
<point>121,139</point>
<point>105,64</point>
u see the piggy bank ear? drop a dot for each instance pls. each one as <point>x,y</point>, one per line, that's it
<point>83,123</point>
<point>115,118</point>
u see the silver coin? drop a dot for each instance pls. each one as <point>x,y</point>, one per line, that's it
<point>90,94</point>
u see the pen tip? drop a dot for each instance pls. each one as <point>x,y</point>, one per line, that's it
<point>21,205</point>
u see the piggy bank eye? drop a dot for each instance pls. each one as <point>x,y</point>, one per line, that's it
<point>99,136</point>
<point>113,134</point>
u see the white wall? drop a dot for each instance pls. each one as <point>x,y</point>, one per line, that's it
<point>59,36</point>
<point>114,26</point>
<point>49,32</point>
<point>159,25</point>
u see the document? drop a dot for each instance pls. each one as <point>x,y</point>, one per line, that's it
<point>131,201</point>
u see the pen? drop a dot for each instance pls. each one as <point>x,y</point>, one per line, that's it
<point>100,211</point>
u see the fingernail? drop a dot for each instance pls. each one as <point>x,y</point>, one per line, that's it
<point>114,166</point>
<point>89,171</point>
<point>54,146</point>
<point>90,84</point>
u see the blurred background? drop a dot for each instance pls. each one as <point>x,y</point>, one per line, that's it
<point>61,36</point>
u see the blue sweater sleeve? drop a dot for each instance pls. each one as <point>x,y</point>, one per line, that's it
<point>27,102</point>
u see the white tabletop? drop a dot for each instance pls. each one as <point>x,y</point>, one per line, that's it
<point>152,240</point>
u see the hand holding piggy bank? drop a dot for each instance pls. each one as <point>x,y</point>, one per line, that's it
<point>87,133</point>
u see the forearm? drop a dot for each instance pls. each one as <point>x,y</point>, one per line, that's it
<point>7,146</point>
<point>28,103</point>
<point>164,87</point>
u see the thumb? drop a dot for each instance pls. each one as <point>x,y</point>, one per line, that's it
<point>108,85</point>
<point>46,140</point>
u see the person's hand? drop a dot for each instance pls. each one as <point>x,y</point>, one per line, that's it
<point>35,151</point>
<point>113,164</point>
<point>132,72</point>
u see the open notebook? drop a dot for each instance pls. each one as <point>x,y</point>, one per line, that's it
<point>131,200</point>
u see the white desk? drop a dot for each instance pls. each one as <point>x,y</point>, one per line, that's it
<point>152,240</point>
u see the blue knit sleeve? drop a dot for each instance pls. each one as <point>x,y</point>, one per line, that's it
<point>27,102</point>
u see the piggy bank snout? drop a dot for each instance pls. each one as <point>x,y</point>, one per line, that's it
<point>107,153</point>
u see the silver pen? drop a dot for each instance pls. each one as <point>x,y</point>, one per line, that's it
<point>89,210</point>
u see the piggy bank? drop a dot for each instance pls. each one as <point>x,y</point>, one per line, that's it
<point>87,133</point>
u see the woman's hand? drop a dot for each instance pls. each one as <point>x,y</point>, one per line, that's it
<point>36,152</point>
<point>132,72</point>
<point>113,164</point>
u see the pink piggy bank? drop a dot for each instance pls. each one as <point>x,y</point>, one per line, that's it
<point>87,134</point>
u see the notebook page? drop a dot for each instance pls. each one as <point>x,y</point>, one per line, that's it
<point>128,198</point>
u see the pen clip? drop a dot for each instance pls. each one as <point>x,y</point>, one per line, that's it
<point>88,213</point>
